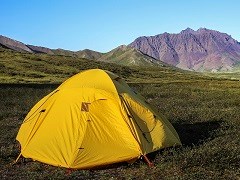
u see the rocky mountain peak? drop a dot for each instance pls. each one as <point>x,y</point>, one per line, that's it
<point>186,31</point>
<point>201,50</point>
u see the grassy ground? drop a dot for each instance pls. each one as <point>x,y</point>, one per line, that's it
<point>203,109</point>
<point>204,112</point>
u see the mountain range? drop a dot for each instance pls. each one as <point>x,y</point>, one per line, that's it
<point>200,50</point>
<point>124,55</point>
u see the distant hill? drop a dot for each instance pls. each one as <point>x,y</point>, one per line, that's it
<point>12,44</point>
<point>64,52</point>
<point>22,67</point>
<point>39,49</point>
<point>126,55</point>
<point>89,54</point>
<point>201,50</point>
<point>8,43</point>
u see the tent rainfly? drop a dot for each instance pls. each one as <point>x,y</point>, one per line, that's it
<point>93,119</point>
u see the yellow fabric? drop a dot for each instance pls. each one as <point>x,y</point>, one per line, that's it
<point>93,119</point>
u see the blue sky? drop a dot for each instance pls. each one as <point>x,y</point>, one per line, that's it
<point>102,25</point>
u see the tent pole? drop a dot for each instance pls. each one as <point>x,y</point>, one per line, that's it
<point>150,164</point>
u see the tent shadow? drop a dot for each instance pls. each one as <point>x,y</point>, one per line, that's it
<point>196,133</point>
<point>192,134</point>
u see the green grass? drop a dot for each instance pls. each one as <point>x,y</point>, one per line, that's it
<point>205,114</point>
<point>234,75</point>
<point>203,109</point>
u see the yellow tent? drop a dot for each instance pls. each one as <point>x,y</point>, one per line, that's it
<point>94,118</point>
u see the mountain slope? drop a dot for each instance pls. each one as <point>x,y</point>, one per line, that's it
<point>64,52</point>
<point>201,50</point>
<point>18,67</point>
<point>126,55</point>
<point>39,49</point>
<point>8,43</point>
<point>88,54</point>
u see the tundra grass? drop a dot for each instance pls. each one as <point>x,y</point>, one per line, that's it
<point>205,113</point>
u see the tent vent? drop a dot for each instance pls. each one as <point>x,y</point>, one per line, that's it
<point>145,136</point>
<point>85,106</point>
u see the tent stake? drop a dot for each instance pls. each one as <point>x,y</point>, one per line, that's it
<point>150,164</point>
<point>68,171</point>
<point>17,159</point>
